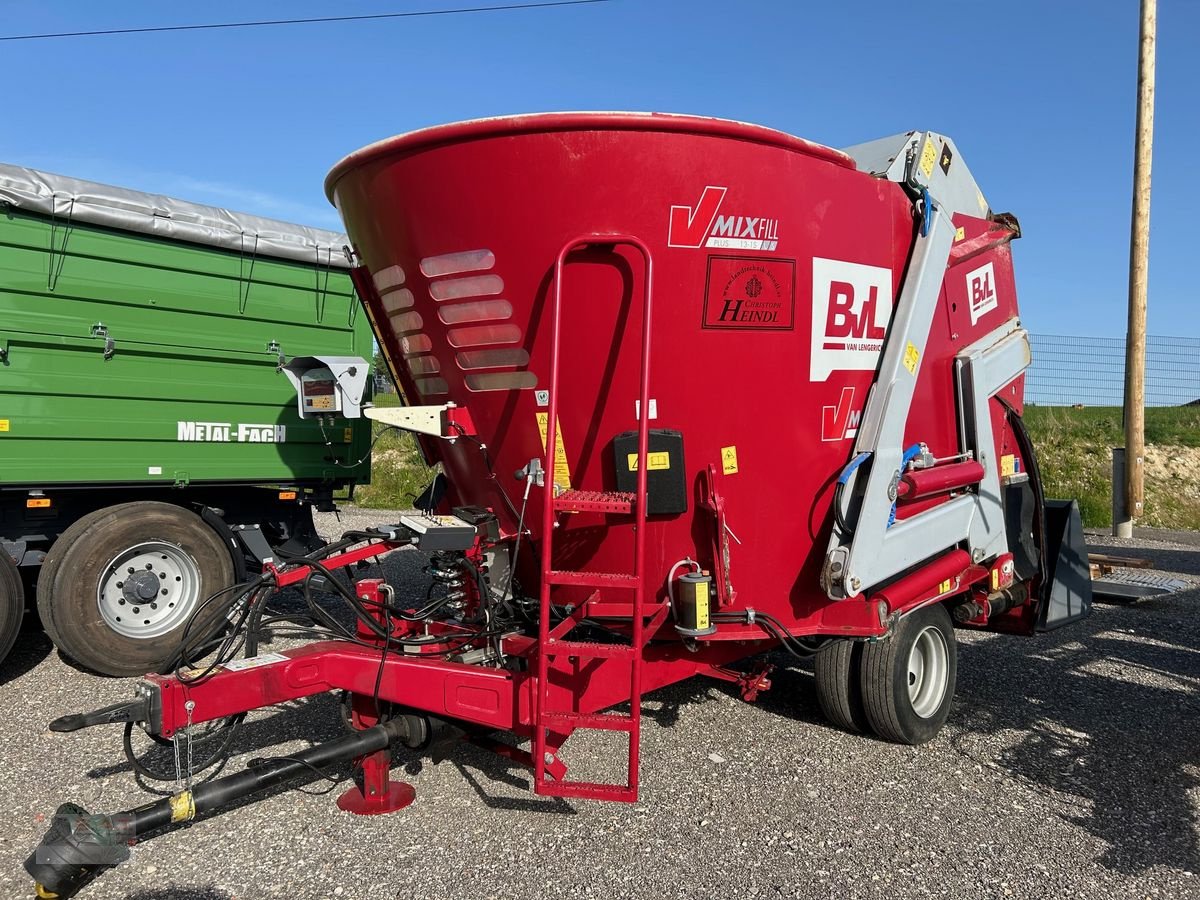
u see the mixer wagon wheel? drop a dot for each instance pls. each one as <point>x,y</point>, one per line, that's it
<point>908,679</point>
<point>12,603</point>
<point>118,587</point>
<point>838,668</point>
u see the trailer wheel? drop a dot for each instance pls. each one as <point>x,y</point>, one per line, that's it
<point>12,603</point>
<point>908,679</point>
<point>838,668</point>
<point>119,586</point>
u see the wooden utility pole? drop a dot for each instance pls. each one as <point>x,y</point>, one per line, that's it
<point>1139,263</point>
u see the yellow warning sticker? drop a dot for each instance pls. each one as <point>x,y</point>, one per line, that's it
<point>1008,464</point>
<point>928,157</point>
<point>562,469</point>
<point>3,424</point>
<point>347,435</point>
<point>945,586</point>
<point>729,464</point>
<point>654,461</point>
<point>959,234</point>
<point>701,605</point>
<point>912,356</point>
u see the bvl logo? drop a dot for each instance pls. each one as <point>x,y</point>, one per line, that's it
<point>981,288</point>
<point>851,308</point>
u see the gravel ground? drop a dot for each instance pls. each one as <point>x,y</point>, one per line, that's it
<point>1069,768</point>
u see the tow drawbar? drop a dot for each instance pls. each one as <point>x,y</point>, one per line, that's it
<point>80,846</point>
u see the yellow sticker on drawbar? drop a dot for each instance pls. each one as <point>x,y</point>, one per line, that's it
<point>701,605</point>
<point>654,461</point>
<point>1008,464</point>
<point>3,424</point>
<point>912,356</point>
<point>729,463</point>
<point>944,587</point>
<point>562,469</point>
<point>928,157</point>
<point>959,234</point>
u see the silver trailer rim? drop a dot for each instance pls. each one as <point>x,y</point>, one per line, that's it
<point>148,590</point>
<point>928,671</point>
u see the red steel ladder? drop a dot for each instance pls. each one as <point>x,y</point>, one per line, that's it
<point>553,641</point>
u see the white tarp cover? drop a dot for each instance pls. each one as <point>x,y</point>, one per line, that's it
<point>74,200</point>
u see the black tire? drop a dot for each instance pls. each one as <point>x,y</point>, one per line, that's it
<point>79,564</point>
<point>893,713</point>
<point>50,564</point>
<point>838,667</point>
<point>12,604</point>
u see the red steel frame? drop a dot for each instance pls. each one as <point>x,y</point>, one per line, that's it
<point>501,698</point>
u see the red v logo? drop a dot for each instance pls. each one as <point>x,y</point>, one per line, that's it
<point>689,226</point>
<point>837,421</point>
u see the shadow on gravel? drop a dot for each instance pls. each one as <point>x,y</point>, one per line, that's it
<point>1105,711</point>
<point>31,648</point>
<point>314,721</point>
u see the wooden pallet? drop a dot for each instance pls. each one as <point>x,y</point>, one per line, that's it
<point>1102,564</point>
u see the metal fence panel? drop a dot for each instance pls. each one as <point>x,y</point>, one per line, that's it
<point>1070,370</point>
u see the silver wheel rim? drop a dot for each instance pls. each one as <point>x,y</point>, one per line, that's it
<point>928,671</point>
<point>148,590</point>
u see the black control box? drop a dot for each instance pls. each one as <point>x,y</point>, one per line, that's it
<point>666,475</point>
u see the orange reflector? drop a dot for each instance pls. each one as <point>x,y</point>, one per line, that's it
<point>287,495</point>
<point>37,503</point>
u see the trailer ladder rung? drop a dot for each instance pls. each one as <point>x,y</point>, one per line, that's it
<point>619,502</point>
<point>588,790</point>
<point>612,580</point>
<point>597,721</point>
<point>590,650</point>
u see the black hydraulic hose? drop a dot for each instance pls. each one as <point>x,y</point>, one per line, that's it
<point>1025,443</point>
<point>79,847</point>
<point>774,628</point>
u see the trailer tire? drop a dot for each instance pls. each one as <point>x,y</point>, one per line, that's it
<point>838,670</point>
<point>908,679</point>
<point>12,603</point>
<point>87,607</point>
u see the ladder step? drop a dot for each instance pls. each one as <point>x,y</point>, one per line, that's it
<point>588,790</point>
<point>595,501</point>
<point>616,609</point>
<point>598,721</point>
<point>617,580</point>
<point>590,650</point>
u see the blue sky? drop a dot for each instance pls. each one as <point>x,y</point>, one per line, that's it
<point>1039,97</point>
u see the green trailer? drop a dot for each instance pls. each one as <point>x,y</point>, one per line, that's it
<point>150,444</point>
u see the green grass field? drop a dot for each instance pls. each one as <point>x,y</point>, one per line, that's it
<point>1074,451</point>
<point>398,473</point>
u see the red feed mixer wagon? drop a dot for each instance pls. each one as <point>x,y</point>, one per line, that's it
<point>698,390</point>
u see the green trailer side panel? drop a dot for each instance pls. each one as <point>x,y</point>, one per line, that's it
<point>189,391</point>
